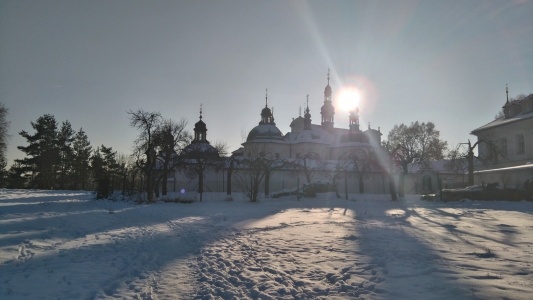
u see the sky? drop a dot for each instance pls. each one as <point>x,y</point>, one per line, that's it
<point>90,62</point>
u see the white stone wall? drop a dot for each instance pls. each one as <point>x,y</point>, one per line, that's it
<point>509,132</point>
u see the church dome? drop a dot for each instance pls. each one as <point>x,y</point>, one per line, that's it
<point>327,91</point>
<point>266,112</point>
<point>265,131</point>
<point>327,109</point>
<point>200,126</point>
<point>297,122</point>
<point>199,150</point>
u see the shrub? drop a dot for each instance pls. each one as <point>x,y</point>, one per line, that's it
<point>186,200</point>
<point>308,190</point>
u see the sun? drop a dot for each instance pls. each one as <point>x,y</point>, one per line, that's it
<point>348,99</point>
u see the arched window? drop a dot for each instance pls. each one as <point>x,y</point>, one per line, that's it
<point>426,183</point>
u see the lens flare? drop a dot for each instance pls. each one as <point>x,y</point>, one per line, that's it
<point>348,99</point>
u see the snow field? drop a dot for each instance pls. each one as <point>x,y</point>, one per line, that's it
<point>64,245</point>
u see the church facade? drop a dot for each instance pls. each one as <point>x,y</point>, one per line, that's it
<point>506,145</point>
<point>324,140</point>
<point>323,147</point>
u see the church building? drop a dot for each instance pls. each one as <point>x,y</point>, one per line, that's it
<point>324,139</point>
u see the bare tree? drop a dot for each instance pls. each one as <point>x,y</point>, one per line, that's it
<point>309,163</point>
<point>4,126</point>
<point>358,161</point>
<point>383,161</point>
<point>170,139</point>
<point>493,154</point>
<point>254,169</point>
<point>336,170</point>
<point>456,162</point>
<point>198,159</point>
<point>144,146</point>
<point>416,143</point>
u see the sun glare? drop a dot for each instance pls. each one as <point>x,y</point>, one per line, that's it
<point>348,99</point>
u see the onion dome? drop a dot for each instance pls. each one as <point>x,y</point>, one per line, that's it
<point>265,131</point>
<point>200,130</point>
<point>200,148</point>
<point>267,127</point>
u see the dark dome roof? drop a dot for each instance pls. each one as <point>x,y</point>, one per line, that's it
<point>199,150</point>
<point>327,109</point>
<point>298,121</point>
<point>200,126</point>
<point>266,112</point>
<point>327,90</point>
<point>265,131</point>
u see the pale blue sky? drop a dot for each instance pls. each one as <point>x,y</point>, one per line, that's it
<point>91,61</point>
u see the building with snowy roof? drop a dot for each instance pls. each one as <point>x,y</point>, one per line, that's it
<point>506,144</point>
<point>324,140</point>
<point>508,140</point>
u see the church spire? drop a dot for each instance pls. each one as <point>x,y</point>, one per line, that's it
<point>267,116</point>
<point>307,119</point>
<point>200,130</point>
<point>327,111</point>
<point>201,111</point>
<point>507,92</point>
<point>354,120</point>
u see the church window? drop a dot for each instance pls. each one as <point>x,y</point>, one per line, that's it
<point>519,143</point>
<point>503,147</point>
<point>529,107</point>
<point>426,183</point>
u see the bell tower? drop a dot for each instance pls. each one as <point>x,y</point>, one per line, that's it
<point>327,111</point>
<point>200,130</point>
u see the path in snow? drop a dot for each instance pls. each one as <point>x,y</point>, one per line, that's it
<point>64,245</point>
<point>375,249</point>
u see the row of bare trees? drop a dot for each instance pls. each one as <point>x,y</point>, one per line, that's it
<point>416,143</point>
<point>163,145</point>
<point>252,172</point>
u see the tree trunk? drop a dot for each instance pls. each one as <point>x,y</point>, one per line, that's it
<point>230,171</point>
<point>156,188</point>
<point>112,184</point>
<point>255,191</point>
<point>307,173</point>
<point>149,186</point>
<point>401,183</point>
<point>164,183</point>
<point>470,158</point>
<point>124,184</point>
<point>361,185</point>
<point>133,182</point>
<point>201,184</point>
<point>267,183</point>
<point>392,188</point>
<point>345,186</point>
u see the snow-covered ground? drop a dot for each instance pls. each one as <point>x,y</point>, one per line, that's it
<point>65,245</point>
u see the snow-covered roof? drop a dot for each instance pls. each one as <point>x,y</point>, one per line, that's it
<point>264,131</point>
<point>528,165</point>
<point>504,121</point>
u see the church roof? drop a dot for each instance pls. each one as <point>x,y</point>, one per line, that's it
<point>503,121</point>
<point>265,131</point>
